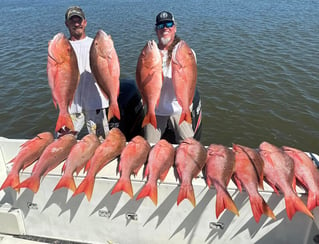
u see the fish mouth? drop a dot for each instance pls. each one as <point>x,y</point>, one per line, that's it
<point>151,44</point>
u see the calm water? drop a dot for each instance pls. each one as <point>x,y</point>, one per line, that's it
<point>258,63</point>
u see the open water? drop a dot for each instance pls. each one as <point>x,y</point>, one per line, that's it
<point>258,63</point>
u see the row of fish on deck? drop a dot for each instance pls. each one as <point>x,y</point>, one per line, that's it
<point>281,167</point>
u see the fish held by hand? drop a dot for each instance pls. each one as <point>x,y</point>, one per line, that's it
<point>149,79</point>
<point>105,67</point>
<point>184,76</point>
<point>63,76</point>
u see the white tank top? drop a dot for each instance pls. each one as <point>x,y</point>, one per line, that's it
<point>88,95</point>
<point>168,103</point>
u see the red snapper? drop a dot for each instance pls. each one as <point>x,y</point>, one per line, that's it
<point>307,174</point>
<point>219,168</point>
<point>132,159</point>
<point>279,172</point>
<point>53,155</point>
<point>105,67</point>
<point>184,75</point>
<point>80,154</point>
<point>160,160</point>
<point>108,150</point>
<point>63,76</point>
<point>149,79</point>
<point>190,160</point>
<point>29,152</point>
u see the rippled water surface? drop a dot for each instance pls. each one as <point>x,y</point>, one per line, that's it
<point>258,63</point>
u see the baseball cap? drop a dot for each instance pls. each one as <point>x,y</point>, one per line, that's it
<point>74,11</point>
<point>163,17</point>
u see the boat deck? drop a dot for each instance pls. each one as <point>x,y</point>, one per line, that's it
<point>119,219</point>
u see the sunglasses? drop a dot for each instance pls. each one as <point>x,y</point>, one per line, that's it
<point>167,25</point>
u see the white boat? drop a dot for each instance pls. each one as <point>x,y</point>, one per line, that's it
<point>47,215</point>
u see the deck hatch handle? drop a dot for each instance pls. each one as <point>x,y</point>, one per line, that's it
<point>131,216</point>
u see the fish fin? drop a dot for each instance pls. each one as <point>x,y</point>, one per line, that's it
<point>185,116</point>
<point>135,172</point>
<point>86,186</point>
<point>63,168</point>
<point>123,185</point>
<point>64,120</point>
<point>259,207</point>
<point>186,191</point>
<point>33,183</point>
<point>146,172</point>
<point>26,165</point>
<point>149,190</point>
<point>29,142</point>
<point>237,182</point>
<point>164,174</point>
<point>87,166</point>
<point>313,200</point>
<point>149,119</point>
<point>293,204</point>
<point>224,201</point>
<point>78,169</point>
<point>12,180</point>
<point>272,185</point>
<point>294,184</point>
<point>67,182</point>
<point>114,111</point>
<point>261,181</point>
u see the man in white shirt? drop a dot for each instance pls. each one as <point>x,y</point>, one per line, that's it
<point>168,111</point>
<point>89,105</point>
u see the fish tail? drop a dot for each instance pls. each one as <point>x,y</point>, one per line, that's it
<point>64,120</point>
<point>293,204</point>
<point>123,185</point>
<point>12,180</point>
<point>185,116</point>
<point>150,119</point>
<point>186,191</point>
<point>224,200</point>
<point>259,207</point>
<point>313,200</point>
<point>149,190</point>
<point>114,111</point>
<point>33,183</point>
<point>67,182</point>
<point>86,186</point>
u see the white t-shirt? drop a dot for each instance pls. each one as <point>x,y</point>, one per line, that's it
<point>88,95</point>
<point>168,104</point>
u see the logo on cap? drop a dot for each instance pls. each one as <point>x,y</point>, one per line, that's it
<point>164,15</point>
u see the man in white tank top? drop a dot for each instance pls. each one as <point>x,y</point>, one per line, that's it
<point>168,111</point>
<point>89,106</point>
